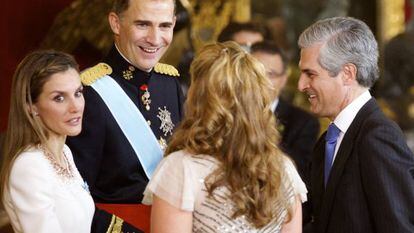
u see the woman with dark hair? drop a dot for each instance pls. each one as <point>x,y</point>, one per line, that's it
<point>41,189</point>
<point>223,171</point>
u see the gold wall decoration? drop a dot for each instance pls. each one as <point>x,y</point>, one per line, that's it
<point>82,20</point>
<point>391,19</point>
<point>209,17</point>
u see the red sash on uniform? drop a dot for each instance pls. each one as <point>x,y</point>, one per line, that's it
<point>137,215</point>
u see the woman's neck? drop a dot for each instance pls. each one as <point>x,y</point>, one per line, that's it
<point>55,146</point>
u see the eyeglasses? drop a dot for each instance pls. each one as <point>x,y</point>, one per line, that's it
<point>274,74</point>
<point>246,47</point>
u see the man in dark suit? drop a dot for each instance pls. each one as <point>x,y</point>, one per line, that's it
<point>299,130</point>
<point>362,170</point>
<point>133,104</point>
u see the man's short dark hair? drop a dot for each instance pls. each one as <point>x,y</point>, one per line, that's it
<point>234,27</point>
<point>120,6</point>
<point>270,47</point>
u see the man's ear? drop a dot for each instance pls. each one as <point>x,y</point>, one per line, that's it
<point>174,20</point>
<point>350,73</point>
<point>114,22</point>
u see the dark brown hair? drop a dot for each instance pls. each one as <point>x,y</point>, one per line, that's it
<point>120,6</point>
<point>24,130</point>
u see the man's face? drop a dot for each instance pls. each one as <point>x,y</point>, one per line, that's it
<point>327,95</point>
<point>247,38</point>
<point>144,31</point>
<point>274,69</point>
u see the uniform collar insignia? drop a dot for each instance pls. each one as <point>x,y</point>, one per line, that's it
<point>121,67</point>
<point>128,73</point>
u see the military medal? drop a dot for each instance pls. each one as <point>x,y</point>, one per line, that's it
<point>146,96</point>
<point>166,123</point>
<point>127,74</point>
<point>163,143</point>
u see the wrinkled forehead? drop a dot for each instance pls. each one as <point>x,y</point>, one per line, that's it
<point>309,57</point>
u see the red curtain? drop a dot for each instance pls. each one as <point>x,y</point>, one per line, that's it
<point>408,10</point>
<point>24,24</point>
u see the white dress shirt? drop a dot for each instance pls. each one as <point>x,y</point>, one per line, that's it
<point>347,115</point>
<point>274,104</point>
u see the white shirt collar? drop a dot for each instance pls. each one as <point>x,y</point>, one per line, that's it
<point>274,104</point>
<point>347,115</point>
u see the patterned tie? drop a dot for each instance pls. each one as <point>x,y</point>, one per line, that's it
<point>330,138</point>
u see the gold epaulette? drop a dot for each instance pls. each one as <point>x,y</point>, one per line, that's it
<point>94,73</point>
<point>166,69</point>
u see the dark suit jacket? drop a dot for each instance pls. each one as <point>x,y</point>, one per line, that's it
<point>371,186</point>
<point>299,131</point>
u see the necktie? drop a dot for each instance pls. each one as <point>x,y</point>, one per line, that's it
<point>330,138</point>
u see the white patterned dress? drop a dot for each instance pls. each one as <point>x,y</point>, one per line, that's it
<point>179,180</point>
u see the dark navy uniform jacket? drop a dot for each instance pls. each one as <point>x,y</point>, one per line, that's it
<point>102,153</point>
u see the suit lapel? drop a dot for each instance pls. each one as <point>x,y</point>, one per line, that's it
<point>317,170</point>
<point>281,111</point>
<point>335,176</point>
<point>344,151</point>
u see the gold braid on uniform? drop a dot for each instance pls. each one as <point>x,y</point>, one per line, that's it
<point>116,225</point>
<point>111,225</point>
<point>166,69</point>
<point>94,73</point>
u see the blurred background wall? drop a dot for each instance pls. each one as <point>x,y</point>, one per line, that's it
<point>80,27</point>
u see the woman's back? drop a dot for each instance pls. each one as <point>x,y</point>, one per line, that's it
<point>242,183</point>
<point>180,180</point>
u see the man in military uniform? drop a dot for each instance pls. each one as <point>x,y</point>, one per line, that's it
<point>119,146</point>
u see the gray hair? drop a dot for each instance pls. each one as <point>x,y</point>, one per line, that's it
<point>344,40</point>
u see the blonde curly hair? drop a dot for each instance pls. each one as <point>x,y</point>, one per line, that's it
<point>228,116</point>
